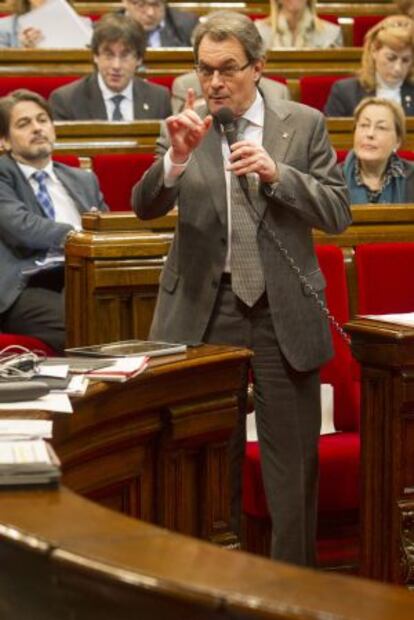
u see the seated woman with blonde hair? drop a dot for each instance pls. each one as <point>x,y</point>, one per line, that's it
<point>387,69</point>
<point>373,171</point>
<point>294,23</point>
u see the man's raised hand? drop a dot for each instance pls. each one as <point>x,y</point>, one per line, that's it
<point>186,129</point>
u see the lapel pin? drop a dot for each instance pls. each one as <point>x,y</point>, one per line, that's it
<point>145,106</point>
<point>285,135</point>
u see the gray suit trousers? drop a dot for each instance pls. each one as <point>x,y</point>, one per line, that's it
<point>288,417</point>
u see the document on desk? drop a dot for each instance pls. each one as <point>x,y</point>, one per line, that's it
<point>61,26</point>
<point>401,318</point>
<point>14,427</point>
<point>57,403</point>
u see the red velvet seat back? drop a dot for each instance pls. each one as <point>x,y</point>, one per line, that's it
<point>339,371</point>
<point>69,160</point>
<point>41,84</point>
<point>315,89</point>
<point>362,23</point>
<point>118,173</point>
<point>385,277</point>
<point>163,80</point>
<point>34,344</point>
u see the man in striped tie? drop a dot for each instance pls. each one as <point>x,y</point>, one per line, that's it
<point>41,204</point>
<point>252,175</point>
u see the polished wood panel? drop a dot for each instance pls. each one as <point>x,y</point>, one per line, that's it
<point>156,447</point>
<point>113,267</point>
<point>386,353</point>
<point>64,557</point>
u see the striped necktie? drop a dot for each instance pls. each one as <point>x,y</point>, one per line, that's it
<point>117,114</point>
<point>42,194</point>
<point>246,267</point>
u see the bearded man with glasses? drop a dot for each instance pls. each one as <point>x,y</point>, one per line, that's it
<point>247,205</point>
<point>165,27</point>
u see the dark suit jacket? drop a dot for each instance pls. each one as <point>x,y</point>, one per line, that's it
<point>311,194</point>
<point>177,29</point>
<point>82,100</point>
<point>346,94</point>
<point>26,234</point>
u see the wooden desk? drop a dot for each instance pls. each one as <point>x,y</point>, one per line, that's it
<point>386,353</point>
<point>113,267</point>
<point>66,558</point>
<point>156,447</point>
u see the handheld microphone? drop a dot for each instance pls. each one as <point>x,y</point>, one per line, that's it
<point>226,118</point>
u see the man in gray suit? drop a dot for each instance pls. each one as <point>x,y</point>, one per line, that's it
<point>41,204</point>
<point>113,91</point>
<point>242,268</point>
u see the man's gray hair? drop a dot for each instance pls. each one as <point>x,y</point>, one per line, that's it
<point>222,25</point>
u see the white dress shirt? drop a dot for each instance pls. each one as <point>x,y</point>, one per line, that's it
<point>127,104</point>
<point>253,133</point>
<point>384,91</point>
<point>66,211</point>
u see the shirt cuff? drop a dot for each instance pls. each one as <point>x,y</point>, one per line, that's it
<point>173,171</point>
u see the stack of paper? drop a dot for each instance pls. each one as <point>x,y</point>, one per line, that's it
<point>25,456</point>
<point>121,369</point>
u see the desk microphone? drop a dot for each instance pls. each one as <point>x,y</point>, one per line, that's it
<point>226,118</point>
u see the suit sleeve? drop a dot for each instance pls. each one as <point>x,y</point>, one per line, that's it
<point>318,196</point>
<point>337,104</point>
<point>61,108</point>
<point>100,201</point>
<point>150,197</point>
<point>22,227</point>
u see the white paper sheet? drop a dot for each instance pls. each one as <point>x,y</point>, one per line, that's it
<point>58,403</point>
<point>25,428</point>
<point>61,26</point>
<point>401,318</point>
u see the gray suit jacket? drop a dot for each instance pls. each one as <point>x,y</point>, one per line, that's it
<point>26,234</point>
<point>347,93</point>
<point>177,29</point>
<point>311,194</point>
<point>82,100</point>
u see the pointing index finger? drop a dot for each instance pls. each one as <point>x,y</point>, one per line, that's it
<point>190,99</point>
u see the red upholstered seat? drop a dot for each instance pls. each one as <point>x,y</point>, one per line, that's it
<point>163,80</point>
<point>118,173</point>
<point>338,452</point>
<point>34,344</point>
<point>69,160</point>
<point>315,89</point>
<point>362,23</point>
<point>42,84</point>
<point>385,277</point>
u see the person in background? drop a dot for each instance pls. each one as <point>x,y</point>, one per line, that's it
<point>294,23</point>
<point>165,27</point>
<point>405,7</point>
<point>182,83</point>
<point>373,171</point>
<point>41,204</point>
<point>227,280</point>
<point>113,91</point>
<point>11,35</point>
<point>386,69</point>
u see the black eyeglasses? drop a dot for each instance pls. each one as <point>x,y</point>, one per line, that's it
<point>227,72</point>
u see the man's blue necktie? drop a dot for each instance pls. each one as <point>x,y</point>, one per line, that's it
<point>117,113</point>
<point>42,194</point>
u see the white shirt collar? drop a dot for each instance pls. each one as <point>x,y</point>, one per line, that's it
<point>107,93</point>
<point>381,85</point>
<point>255,114</point>
<point>28,170</point>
